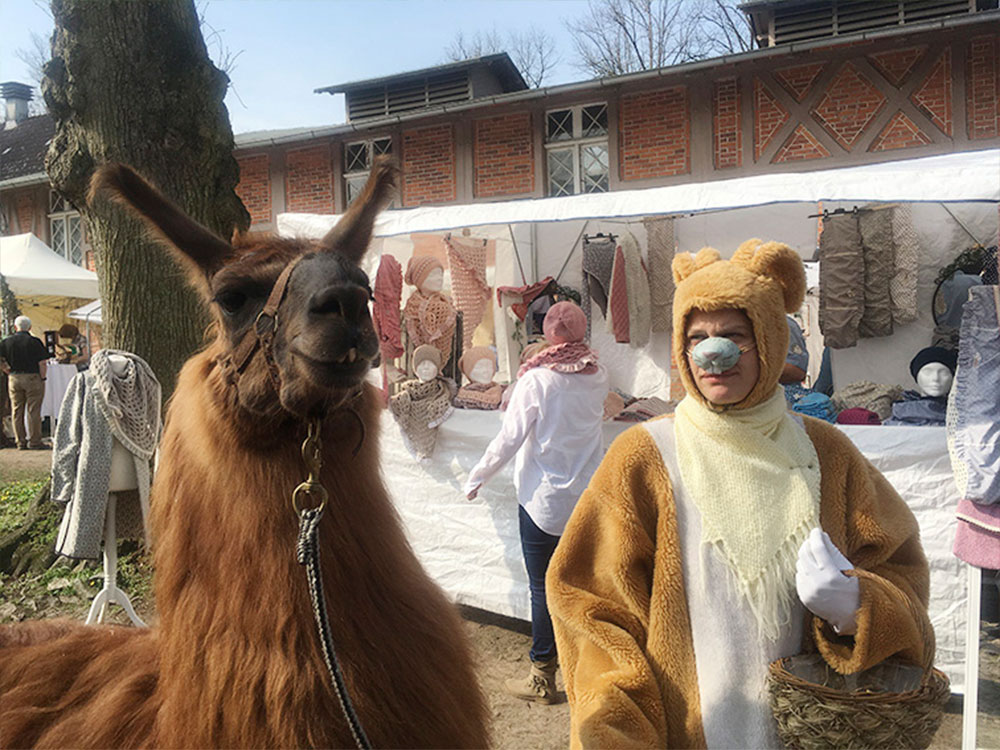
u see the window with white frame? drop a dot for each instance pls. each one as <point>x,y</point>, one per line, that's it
<point>576,149</point>
<point>358,159</point>
<point>66,229</point>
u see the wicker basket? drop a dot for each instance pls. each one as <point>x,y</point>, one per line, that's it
<point>892,705</point>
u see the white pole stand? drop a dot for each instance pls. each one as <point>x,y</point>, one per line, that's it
<point>111,594</point>
<point>970,701</point>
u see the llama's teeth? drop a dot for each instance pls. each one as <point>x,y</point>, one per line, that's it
<point>352,354</point>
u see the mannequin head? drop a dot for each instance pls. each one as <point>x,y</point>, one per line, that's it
<point>934,380</point>
<point>478,364</point>
<point>426,362</point>
<point>934,369</point>
<point>119,364</point>
<point>425,273</point>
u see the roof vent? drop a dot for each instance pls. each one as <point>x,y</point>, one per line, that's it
<point>17,96</point>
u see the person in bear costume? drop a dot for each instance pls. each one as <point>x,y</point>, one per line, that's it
<point>715,540</point>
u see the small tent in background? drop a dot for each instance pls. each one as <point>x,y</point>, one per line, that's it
<point>46,285</point>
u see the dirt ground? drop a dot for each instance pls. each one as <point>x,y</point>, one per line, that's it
<point>501,647</point>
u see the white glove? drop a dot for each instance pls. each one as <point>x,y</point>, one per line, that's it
<point>822,587</point>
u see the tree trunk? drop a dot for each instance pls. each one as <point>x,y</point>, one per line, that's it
<point>131,81</point>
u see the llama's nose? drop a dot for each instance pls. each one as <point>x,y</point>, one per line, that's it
<point>339,300</point>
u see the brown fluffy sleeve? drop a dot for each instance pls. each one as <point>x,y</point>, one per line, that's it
<point>598,586</point>
<point>872,525</point>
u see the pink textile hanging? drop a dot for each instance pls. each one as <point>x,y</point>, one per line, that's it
<point>385,309</point>
<point>469,291</point>
<point>527,294</point>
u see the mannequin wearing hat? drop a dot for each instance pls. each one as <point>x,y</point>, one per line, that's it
<point>429,314</point>
<point>423,402</point>
<point>933,368</point>
<point>479,365</point>
<point>728,535</point>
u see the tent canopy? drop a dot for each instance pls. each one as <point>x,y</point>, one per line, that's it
<point>32,269</point>
<point>89,313</point>
<point>958,178</point>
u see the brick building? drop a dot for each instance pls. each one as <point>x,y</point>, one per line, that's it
<point>822,90</point>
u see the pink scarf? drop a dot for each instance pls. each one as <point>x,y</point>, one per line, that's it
<point>573,356</point>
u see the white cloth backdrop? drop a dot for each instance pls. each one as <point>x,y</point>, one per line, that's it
<point>472,548</point>
<point>56,382</point>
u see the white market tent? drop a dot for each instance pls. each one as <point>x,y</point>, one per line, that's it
<point>89,313</point>
<point>46,285</point>
<point>32,269</point>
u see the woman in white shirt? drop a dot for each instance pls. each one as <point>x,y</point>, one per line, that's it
<point>552,429</point>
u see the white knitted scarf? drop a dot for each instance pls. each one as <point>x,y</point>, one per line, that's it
<point>754,476</point>
<point>130,402</point>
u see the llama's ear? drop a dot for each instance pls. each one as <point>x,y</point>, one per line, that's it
<point>350,236</point>
<point>685,264</point>
<point>198,248</point>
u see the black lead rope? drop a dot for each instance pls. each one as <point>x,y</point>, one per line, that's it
<point>307,551</point>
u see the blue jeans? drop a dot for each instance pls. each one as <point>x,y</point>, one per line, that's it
<point>537,547</point>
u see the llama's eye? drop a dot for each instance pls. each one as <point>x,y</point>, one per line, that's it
<point>230,301</point>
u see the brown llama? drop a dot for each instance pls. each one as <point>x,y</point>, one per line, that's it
<point>234,659</point>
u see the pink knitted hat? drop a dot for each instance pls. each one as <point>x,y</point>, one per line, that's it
<point>419,267</point>
<point>564,323</point>
<point>468,360</point>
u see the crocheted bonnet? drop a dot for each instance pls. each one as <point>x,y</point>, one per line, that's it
<point>471,356</point>
<point>426,352</point>
<point>418,268</point>
<point>763,279</point>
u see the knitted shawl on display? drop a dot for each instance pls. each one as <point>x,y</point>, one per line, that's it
<point>467,261</point>
<point>628,301</point>
<point>420,408</point>
<point>754,476</point>
<point>430,319</point>
<point>573,356</point>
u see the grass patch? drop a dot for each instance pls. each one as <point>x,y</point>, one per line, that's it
<point>14,500</point>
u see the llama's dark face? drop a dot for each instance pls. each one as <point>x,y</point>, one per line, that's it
<point>324,340</point>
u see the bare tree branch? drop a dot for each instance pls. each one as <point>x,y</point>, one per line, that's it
<point>533,51</point>
<point>624,36</point>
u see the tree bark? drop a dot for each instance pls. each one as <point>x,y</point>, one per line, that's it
<point>131,81</point>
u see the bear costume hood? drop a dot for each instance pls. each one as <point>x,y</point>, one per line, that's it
<point>765,280</point>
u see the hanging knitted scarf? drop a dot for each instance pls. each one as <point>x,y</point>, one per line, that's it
<point>754,476</point>
<point>573,356</point>
<point>385,309</point>
<point>430,319</point>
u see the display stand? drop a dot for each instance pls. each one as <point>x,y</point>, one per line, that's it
<point>970,701</point>
<point>111,594</point>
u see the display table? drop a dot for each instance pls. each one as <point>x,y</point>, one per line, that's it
<point>473,548</point>
<point>57,379</point>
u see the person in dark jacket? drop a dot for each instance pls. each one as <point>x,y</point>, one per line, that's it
<point>25,358</point>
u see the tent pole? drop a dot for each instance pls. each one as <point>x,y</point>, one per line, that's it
<point>572,250</point>
<point>517,255</point>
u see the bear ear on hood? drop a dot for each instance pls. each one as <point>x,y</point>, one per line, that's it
<point>778,262</point>
<point>685,264</point>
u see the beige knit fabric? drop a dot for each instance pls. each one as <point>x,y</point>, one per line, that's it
<point>903,285</point>
<point>467,260</point>
<point>420,408</point>
<point>660,246</point>
<point>865,394</point>
<point>430,319</point>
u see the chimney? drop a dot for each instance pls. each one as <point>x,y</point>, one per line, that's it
<point>17,96</point>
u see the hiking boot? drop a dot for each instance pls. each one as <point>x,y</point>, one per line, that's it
<point>539,686</point>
